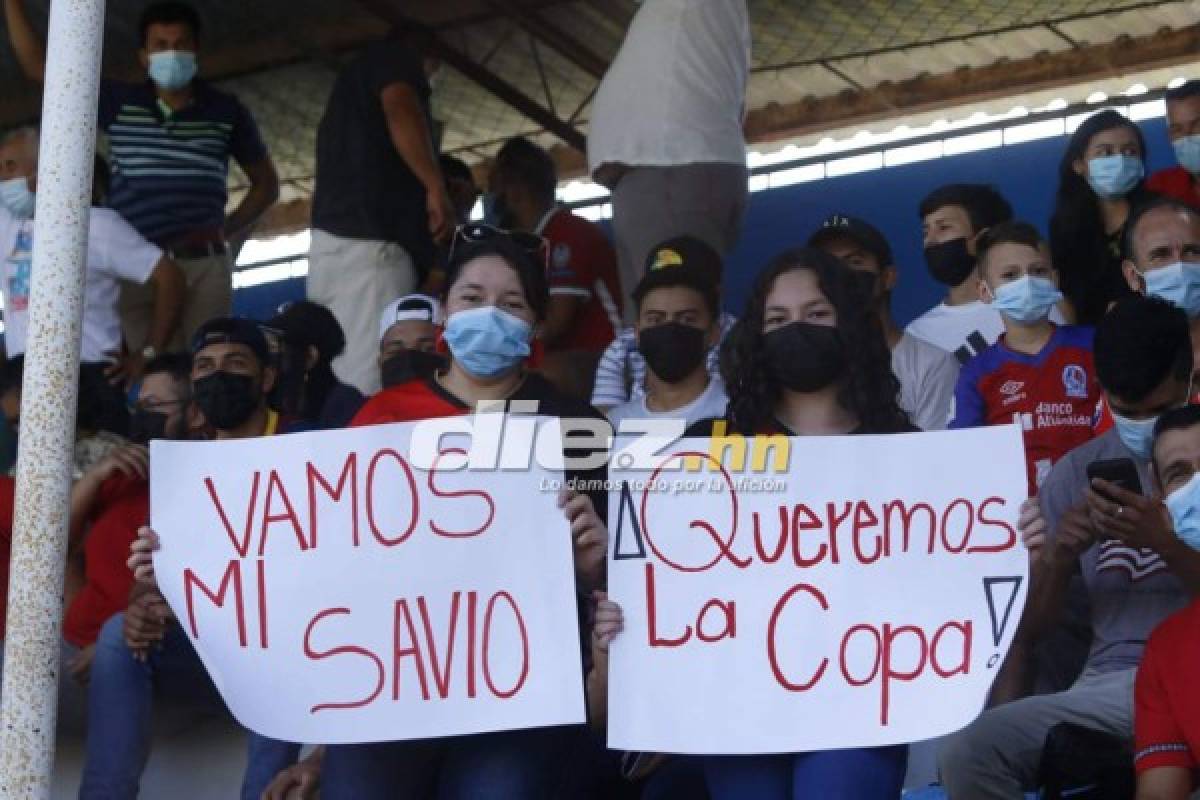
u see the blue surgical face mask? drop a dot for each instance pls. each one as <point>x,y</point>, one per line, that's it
<point>1114,176</point>
<point>172,69</point>
<point>1136,434</point>
<point>487,341</point>
<point>16,197</point>
<point>1027,299</point>
<point>1187,152</point>
<point>1184,506</point>
<point>1178,284</point>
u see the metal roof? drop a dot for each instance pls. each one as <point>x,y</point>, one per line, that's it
<point>281,56</point>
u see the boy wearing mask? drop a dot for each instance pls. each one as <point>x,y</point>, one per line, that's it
<point>1133,575</point>
<point>677,311</point>
<point>1038,372</point>
<point>408,335</point>
<point>953,218</point>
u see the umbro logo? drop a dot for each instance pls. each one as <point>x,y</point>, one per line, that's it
<point>1011,387</point>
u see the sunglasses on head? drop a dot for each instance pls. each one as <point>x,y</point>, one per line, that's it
<point>476,232</point>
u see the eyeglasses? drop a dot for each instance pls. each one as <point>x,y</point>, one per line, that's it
<point>475,232</point>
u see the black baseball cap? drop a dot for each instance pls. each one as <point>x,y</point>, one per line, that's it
<point>232,330</point>
<point>682,261</point>
<point>861,232</point>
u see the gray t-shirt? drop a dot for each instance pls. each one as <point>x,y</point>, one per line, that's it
<point>927,376</point>
<point>1130,591</point>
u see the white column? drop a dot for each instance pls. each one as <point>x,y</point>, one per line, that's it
<point>64,188</point>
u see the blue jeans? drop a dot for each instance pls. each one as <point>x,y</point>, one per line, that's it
<point>120,697</point>
<point>265,758</point>
<point>491,766</point>
<point>861,774</point>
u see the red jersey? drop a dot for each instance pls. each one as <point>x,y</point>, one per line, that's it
<point>583,264</point>
<point>122,506</point>
<point>1178,183</point>
<point>1053,394</point>
<point>1167,697</point>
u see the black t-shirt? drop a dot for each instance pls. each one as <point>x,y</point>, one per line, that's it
<point>364,189</point>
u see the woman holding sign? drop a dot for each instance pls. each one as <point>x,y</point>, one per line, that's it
<point>808,358</point>
<point>495,298</point>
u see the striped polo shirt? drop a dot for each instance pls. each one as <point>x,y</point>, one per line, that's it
<point>169,170</point>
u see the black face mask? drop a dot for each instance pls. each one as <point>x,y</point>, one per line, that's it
<point>287,395</point>
<point>672,350</point>
<point>804,357</point>
<point>227,400</point>
<point>867,282</point>
<point>408,365</point>
<point>145,425</point>
<point>949,262</point>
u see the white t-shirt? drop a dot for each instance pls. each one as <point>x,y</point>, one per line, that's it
<point>676,90</point>
<point>116,252</point>
<point>964,331</point>
<point>711,403</point>
<point>927,376</point>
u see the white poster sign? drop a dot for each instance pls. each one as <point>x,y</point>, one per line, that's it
<point>338,592</point>
<point>827,593</point>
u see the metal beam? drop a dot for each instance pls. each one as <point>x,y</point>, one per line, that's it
<point>974,85</point>
<point>561,41</point>
<point>480,75</point>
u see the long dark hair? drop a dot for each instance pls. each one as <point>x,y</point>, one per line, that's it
<point>301,391</point>
<point>1078,240</point>
<point>870,389</point>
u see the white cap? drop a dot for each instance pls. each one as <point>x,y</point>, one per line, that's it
<point>410,308</point>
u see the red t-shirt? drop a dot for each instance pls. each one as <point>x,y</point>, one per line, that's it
<point>8,489</point>
<point>122,506</point>
<point>1167,695</point>
<point>1178,183</point>
<point>583,264</point>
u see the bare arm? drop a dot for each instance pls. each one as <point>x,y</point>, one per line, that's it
<point>410,136</point>
<point>169,286</point>
<point>263,192</point>
<point>1164,783</point>
<point>28,48</point>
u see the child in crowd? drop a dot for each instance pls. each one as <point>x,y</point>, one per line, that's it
<point>621,373</point>
<point>1038,373</point>
<point>953,218</point>
<point>677,311</point>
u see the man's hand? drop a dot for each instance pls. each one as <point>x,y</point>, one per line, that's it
<point>80,667</point>
<point>298,782</point>
<point>442,219</point>
<point>589,535</point>
<point>125,370</point>
<point>1032,526</point>
<point>1136,520</point>
<point>131,460</point>
<point>141,555</point>
<point>146,623</point>
<point>1075,534</point>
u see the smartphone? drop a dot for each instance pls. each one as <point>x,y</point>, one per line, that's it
<point>1117,471</point>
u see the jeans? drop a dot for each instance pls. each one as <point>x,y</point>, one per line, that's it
<point>491,766</point>
<point>860,774</point>
<point>265,758</point>
<point>120,697</point>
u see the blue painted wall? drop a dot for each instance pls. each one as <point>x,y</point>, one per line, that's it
<point>782,218</point>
